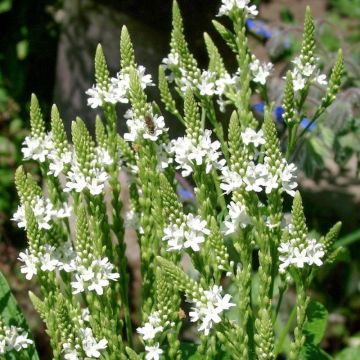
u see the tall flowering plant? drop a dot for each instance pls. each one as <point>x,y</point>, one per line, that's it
<point>236,235</point>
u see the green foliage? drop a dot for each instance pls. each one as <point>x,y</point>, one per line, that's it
<point>12,315</point>
<point>316,322</point>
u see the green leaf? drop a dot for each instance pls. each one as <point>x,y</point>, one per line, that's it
<point>312,352</point>
<point>349,354</point>
<point>11,314</point>
<point>315,326</point>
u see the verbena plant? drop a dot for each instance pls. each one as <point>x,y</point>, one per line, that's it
<point>240,176</point>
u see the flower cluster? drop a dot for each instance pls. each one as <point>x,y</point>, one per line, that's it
<point>260,72</point>
<point>89,346</point>
<point>151,327</point>
<point>51,259</point>
<point>118,91</point>
<point>236,219</point>
<point>227,6</point>
<point>303,73</point>
<point>93,179</point>
<point>94,277</point>
<point>208,312</point>
<point>44,212</point>
<point>151,128</point>
<point>13,338</point>
<point>260,176</point>
<point>300,255</point>
<point>189,234</point>
<point>37,148</point>
<point>189,152</point>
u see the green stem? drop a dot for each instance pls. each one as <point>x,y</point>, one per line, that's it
<point>221,199</point>
<point>285,331</point>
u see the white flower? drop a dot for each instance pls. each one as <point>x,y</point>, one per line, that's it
<point>145,80</point>
<point>75,181</point>
<point>151,327</point>
<point>89,344</point>
<point>16,338</point>
<point>299,258</point>
<point>95,277</point>
<point>194,234</point>
<point>64,212</point>
<point>271,183</point>
<point>208,312</point>
<point>163,155</point>
<point>174,234</point>
<point>189,234</point>
<point>308,69</point>
<point>183,147</point>
<point>229,5</point>
<point>67,257</point>
<point>57,164</point>
<point>188,153</point>
<point>69,352</point>
<point>152,127</point>
<point>315,252</point>
<point>298,80</point>
<point>85,314</point>
<point>47,260</point>
<point>153,352</point>
<point>250,136</point>
<point>103,156</point>
<point>288,178</point>
<point>30,261</point>
<point>321,79</point>
<point>225,81</point>
<point>231,180</point>
<point>19,217</point>
<point>260,71</point>
<point>94,181</point>
<point>311,254</point>
<point>78,285</point>
<point>172,59</point>
<point>255,177</point>
<point>207,83</point>
<point>44,212</point>
<point>118,90</point>
<point>95,97</point>
<point>236,219</point>
<point>37,148</point>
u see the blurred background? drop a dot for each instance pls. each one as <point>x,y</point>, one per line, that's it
<point>47,47</point>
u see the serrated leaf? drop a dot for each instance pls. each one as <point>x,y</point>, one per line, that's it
<point>315,326</point>
<point>12,315</point>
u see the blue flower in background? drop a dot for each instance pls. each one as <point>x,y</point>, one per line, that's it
<point>305,122</point>
<point>259,28</point>
<point>259,107</point>
<point>278,113</point>
<point>185,194</point>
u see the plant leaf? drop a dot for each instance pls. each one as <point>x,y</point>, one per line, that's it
<point>312,352</point>
<point>12,315</point>
<point>315,326</point>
